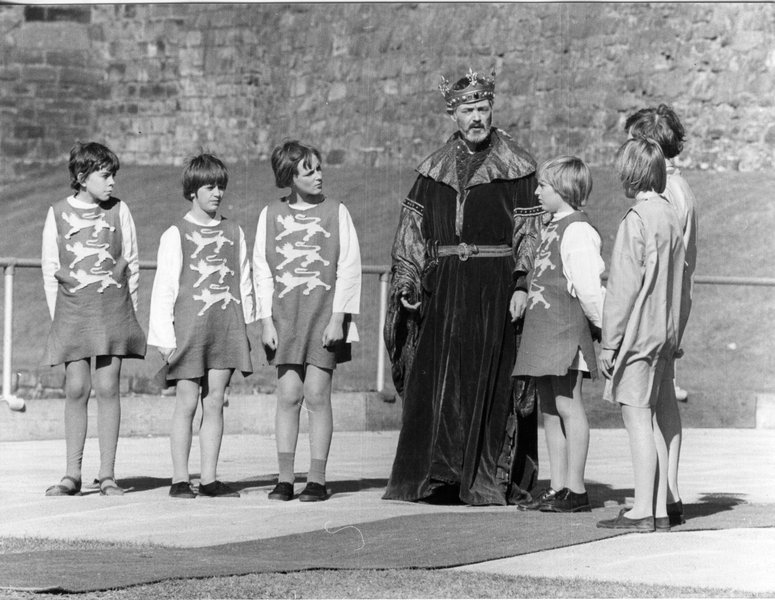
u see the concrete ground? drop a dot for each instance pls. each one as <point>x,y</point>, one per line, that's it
<point>715,462</point>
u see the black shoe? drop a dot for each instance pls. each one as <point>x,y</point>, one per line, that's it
<point>567,501</point>
<point>643,525</point>
<point>313,492</point>
<point>535,502</point>
<point>182,489</point>
<point>282,491</point>
<point>217,489</point>
<point>675,512</point>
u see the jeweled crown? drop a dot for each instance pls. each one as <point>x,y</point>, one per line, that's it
<point>480,87</point>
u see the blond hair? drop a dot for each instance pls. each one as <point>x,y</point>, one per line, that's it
<point>569,176</point>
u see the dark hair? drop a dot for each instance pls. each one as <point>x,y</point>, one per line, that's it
<point>569,176</point>
<point>204,169</point>
<point>88,158</point>
<point>660,124</point>
<point>286,159</point>
<point>641,166</point>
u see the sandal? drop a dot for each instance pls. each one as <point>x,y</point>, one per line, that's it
<point>65,490</point>
<point>112,489</point>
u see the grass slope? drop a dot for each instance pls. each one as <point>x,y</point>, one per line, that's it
<point>728,342</point>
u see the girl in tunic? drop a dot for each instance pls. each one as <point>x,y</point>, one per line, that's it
<point>90,276</point>
<point>564,306</point>
<point>202,298</point>
<point>643,319</point>
<point>307,269</point>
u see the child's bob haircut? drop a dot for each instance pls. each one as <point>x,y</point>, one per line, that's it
<point>204,169</point>
<point>569,176</point>
<point>660,124</point>
<point>88,158</point>
<point>286,159</point>
<point>641,166</point>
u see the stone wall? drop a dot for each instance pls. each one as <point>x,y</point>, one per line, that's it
<point>160,82</point>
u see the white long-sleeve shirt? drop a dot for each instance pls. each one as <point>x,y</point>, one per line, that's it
<point>50,252</point>
<point>166,285</point>
<point>582,266</point>
<point>347,292</point>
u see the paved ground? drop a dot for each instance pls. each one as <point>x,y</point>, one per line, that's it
<point>735,464</point>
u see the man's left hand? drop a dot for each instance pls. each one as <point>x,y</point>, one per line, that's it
<point>518,305</point>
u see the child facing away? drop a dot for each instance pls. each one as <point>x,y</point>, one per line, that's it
<point>662,125</point>
<point>201,301</point>
<point>643,319</point>
<point>307,270</point>
<point>564,307</point>
<point>90,277</point>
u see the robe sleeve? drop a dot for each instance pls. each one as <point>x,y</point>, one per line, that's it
<point>246,280</point>
<point>624,280</point>
<point>50,261</point>
<point>169,262</point>
<point>263,281</point>
<point>528,217</point>
<point>129,251</point>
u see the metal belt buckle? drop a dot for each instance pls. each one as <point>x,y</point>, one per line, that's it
<point>464,251</point>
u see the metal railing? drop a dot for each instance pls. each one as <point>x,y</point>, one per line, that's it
<point>9,266</point>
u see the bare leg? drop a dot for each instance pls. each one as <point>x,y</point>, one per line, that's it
<point>317,400</point>
<point>211,433</point>
<point>290,393</point>
<point>638,422</point>
<point>77,390</point>
<point>107,374</point>
<point>669,422</point>
<point>186,400</point>
<point>556,443</point>
<point>574,418</point>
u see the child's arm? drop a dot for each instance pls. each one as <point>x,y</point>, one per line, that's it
<point>624,283</point>
<point>263,283</point>
<point>347,290</point>
<point>50,260</point>
<point>582,267</point>
<point>129,250</point>
<point>246,280</point>
<point>161,326</point>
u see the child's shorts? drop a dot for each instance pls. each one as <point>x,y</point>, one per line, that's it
<point>640,383</point>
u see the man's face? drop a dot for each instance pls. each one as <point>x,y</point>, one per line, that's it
<point>474,120</point>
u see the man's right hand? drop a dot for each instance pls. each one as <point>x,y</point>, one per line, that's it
<point>408,306</point>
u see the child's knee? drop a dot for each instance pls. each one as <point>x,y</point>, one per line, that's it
<point>317,399</point>
<point>289,400</point>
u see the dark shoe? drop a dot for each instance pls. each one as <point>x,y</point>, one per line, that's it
<point>182,489</point>
<point>282,491</point>
<point>675,512</point>
<point>313,492</point>
<point>567,501</point>
<point>65,490</point>
<point>662,524</point>
<point>109,487</point>
<point>543,497</point>
<point>644,525</point>
<point>217,489</point>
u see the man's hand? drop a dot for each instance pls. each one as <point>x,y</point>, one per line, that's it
<point>334,331</point>
<point>166,353</point>
<point>268,333</point>
<point>408,306</point>
<point>606,362</point>
<point>517,305</point>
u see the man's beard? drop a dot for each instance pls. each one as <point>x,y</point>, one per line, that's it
<point>476,135</point>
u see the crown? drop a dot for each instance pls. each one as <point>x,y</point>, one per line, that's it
<point>480,87</point>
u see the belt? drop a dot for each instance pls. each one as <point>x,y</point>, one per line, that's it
<point>466,251</point>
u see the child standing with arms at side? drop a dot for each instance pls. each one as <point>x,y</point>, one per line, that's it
<point>307,269</point>
<point>564,306</point>
<point>90,276</point>
<point>643,320</point>
<point>202,298</point>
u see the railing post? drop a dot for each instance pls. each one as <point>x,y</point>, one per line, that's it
<point>383,295</point>
<point>13,402</point>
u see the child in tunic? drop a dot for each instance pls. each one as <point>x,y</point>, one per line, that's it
<point>663,125</point>
<point>564,306</point>
<point>90,276</point>
<point>642,324</point>
<point>307,269</point>
<point>202,298</point>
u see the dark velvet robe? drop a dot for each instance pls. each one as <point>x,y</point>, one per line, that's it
<point>468,427</point>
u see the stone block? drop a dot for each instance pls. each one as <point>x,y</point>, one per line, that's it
<point>765,411</point>
<point>54,379</point>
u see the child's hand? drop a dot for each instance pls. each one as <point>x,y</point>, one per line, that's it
<point>518,305</point>
<point>334,331</point>
<point>166,353</point>
<point>606,362</point>
<point>268,334</point>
